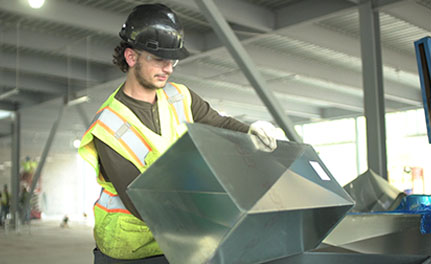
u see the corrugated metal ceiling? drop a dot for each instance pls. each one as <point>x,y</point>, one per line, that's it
<point>395,33</point>
<point>314,66</point>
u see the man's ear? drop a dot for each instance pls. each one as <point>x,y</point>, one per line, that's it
<point>131,57</point>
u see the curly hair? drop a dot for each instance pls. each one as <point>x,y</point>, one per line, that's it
<point>118,56</point>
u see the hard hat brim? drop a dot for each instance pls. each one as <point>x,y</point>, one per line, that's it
<point>170,54</point>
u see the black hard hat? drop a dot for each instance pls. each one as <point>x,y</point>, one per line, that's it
<point>155,28</point>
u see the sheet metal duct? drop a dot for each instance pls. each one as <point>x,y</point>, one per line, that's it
<point>346,258</point>
<point>373,193</point>
<point>214,198</point>
<point>388,233</point>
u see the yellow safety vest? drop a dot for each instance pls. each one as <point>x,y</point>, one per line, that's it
<point>117,232</point>
<point>5,199</point>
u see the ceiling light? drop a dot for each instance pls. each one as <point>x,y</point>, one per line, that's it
<point>5,114</point>
<point>36,4</point>
<point>78,100</point>
<point>76,143</point>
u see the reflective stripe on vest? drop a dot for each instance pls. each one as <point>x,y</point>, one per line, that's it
<point>111,203</point>
<point>175,98</point>
<point>117,126</point>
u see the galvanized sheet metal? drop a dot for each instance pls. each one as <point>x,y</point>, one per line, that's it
<point>214,198</point>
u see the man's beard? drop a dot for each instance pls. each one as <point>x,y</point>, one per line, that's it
<point>141,80</point>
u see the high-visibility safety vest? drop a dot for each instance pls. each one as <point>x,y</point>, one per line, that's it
<point>5,199</point>
<point>117,232</point>
<point>29,166</point>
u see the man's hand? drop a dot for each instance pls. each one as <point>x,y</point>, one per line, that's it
<point>264,139</point>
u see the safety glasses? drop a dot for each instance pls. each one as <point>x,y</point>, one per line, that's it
<point>157,61</point>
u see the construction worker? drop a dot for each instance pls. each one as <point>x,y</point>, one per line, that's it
<point>137,123</point>
<point>28,165</point>
<point>5,204</point>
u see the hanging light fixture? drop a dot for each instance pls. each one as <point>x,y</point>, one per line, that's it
<point>36,4</point>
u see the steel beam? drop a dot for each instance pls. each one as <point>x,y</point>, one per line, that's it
<point>33,83</point>
<point>63,12</point>
<point>246,97</point>
<point>233,45</point>
<point>15,157</point>
<point>55,44</point>
<point>413,12</point>
<point>252,16</point>
<point>372,75</point>
<point>320,35</point>
<point>308,10</point>
<point>56,67</point>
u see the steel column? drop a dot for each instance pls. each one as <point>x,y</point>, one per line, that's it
<point>45,152</point>
<point>237,51</point>
<point>372,75</point>
<point>15,157</point>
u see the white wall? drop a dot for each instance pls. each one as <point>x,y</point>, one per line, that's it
<point>68,187</point>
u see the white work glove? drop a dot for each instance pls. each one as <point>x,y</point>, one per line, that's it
<point>264,136</point>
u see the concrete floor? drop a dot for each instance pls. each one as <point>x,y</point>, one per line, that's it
<point>46,242</point>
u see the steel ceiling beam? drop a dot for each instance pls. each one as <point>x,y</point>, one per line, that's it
<point>251,16</point>
<point>380,4</point>
<point>105,54</point>
<point>309,10</point>
<point>300,11</point>
<point>333,112</point>
<point>58,45</point>
<point>245,95</point>
<point>254,18</point>
<point>24,97</point>
<point>349,98</point>
<point>395,91</point>
<point>319,70</point>
<point>32,83</point>
<point>49,66</point>
<point>322,36</point>
<point>318,96</point>
<point>63,12</point>
<point>412,12</point>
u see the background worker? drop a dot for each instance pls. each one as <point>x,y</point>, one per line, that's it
<point>5,204</point>
<point>137,123</point>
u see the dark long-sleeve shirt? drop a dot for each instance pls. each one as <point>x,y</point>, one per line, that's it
<point>122,172</point>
